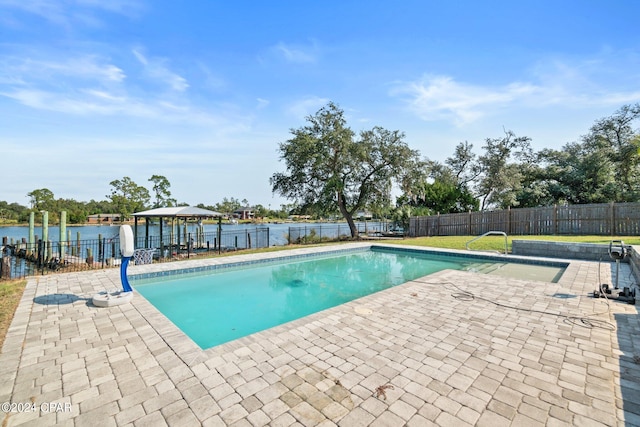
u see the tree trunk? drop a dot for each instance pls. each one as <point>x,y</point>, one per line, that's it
<point>348,216</point>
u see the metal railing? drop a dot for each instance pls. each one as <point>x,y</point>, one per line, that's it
<point>490,233</point>
<point>318,233</point>
<point>20,259</point>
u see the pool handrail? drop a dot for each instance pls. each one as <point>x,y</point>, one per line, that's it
<point>489,233</point>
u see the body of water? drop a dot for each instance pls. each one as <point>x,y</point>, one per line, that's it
<point>278,233</point>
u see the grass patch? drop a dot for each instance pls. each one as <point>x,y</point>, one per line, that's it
<point>496,243</point>
<point>10,294</point>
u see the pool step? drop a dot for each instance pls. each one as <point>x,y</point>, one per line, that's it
<point>484,267</point>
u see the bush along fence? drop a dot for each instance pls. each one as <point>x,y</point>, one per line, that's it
<point>20,259</point>
<point>606,219</point>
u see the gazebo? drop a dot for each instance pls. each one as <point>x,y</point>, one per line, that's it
<point>175,214</point>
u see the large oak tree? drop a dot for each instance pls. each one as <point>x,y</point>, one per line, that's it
<point>329,168</point>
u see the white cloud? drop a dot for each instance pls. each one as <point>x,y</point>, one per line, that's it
<point>443,98</point>
<point>68,12</point>
<point>296,54</point>
<point>105,95</point>
<point>211,80</point>
<point>305,107</point>
<point>157,70</point>
<point>82,102</point>
<point>87,67</point>
<point>77,85</point>
<point>91,86</point>
<point>552,83</point>
<point>51,10</point>
<point>262,103</point>
<point>122,7</point>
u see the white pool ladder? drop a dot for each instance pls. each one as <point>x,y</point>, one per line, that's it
<point>490,233</point>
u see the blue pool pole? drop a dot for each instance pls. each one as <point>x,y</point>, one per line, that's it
<point>123,274</point>
<point>127,249</point>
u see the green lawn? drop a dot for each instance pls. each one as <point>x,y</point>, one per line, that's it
<point>488,243</point>
<point>496,243</point>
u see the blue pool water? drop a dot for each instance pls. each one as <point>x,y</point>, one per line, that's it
<point>226,304</point>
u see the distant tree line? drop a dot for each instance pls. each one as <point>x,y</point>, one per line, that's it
<point>603,166</point>
<point>125,198</point>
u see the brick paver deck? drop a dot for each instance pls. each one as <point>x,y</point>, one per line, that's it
<point>449,349</point>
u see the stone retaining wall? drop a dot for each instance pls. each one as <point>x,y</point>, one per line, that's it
<point>583,251</point>
<point>634,261</point>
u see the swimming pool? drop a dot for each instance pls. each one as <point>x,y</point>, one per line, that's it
<point>222,303</point>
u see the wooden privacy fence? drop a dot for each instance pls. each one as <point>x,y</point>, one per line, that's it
<point>606,219</point>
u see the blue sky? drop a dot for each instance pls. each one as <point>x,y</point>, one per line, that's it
<point>202,91</point>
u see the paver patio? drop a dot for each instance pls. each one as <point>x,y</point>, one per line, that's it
<point>449,349</point>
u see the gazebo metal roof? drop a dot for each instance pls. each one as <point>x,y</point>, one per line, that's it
<point>178,212</point>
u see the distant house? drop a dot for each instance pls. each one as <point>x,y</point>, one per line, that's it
<point>245,212</point>
<point>107,218</point>
<point>363,215</point>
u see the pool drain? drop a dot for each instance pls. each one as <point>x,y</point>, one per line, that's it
<point>296,283</point>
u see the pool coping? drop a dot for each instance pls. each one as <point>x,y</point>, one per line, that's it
<point>167,270</point>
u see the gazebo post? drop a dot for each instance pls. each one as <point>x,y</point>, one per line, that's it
<point>178,233</point>
<point>161,241</point>
<point>135,231</point>
<point>219,234</point>
<point>146,232</point>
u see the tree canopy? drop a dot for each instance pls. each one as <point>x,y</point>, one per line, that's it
<point>603,166</point>
<point>329,168</point>
<point>161,192</point>
<point>128,197</point>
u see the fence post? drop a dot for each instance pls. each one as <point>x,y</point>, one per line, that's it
<point>5,268</point>
<point>612,226</point>
<point>219,235</point>
<point>63,234</point>
<point>39,255</point>
<point>32,239</point>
